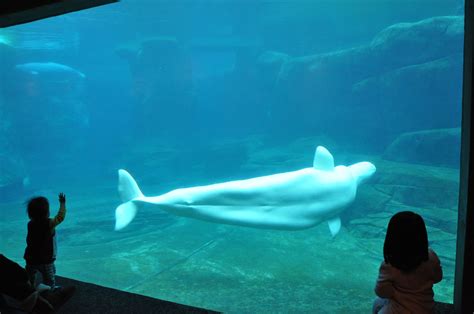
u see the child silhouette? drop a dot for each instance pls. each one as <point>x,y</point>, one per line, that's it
<point>409,270</point>
<point>40,252</point>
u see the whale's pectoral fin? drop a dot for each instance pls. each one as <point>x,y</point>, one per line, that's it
<point>323,159</point>
<point>334,225</point>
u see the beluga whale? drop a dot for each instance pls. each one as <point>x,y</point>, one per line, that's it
<point>293,200</point>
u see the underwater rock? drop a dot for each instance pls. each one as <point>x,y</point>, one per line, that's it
<point>433,147</point>
<point>269,64</point>
<point>403,44</point>
<point>238,98</point>
<point>426,55</point>
<point>13,177</point>
<point>416,97</point>
<point>430,191</point>
<point>418,185</point>
<point>161,84</point>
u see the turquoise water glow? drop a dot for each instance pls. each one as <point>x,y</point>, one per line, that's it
<point>189,93</point>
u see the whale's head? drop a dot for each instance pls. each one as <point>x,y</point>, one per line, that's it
<point>362,171</point>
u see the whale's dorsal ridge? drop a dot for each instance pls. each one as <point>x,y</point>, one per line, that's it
<point>323,159</point>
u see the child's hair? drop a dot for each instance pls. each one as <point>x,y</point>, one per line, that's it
<point>406,242</point>
<point>38,208</point>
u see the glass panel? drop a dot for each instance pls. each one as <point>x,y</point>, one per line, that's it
<point>191,93</point>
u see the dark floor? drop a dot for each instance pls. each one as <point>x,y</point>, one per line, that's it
<point>90,298</point>
<point>444,308</point>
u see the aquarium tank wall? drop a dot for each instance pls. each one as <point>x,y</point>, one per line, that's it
<point>185,94</point>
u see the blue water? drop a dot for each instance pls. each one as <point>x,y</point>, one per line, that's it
<point>187,93</point>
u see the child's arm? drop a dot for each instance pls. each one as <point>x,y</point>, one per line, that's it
<point>437,270</point>
<point>384,287</point>
<point>61,213</point>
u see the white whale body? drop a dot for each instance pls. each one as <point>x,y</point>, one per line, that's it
<point>50,69</point>
<point>285,201</point>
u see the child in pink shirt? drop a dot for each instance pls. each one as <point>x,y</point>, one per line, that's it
<point>409,270</point>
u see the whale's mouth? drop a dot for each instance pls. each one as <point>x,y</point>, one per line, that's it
<point>362,171</point>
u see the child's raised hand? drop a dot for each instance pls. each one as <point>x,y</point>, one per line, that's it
<point>62,198</point>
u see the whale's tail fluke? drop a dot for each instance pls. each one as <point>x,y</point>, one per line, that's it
<point>127,186</point>
<point>129,191</point>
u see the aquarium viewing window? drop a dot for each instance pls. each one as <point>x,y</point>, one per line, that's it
<point>259,148</point>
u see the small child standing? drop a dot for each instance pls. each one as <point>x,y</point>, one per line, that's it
<point>409,270</point>
<point>40,252</point>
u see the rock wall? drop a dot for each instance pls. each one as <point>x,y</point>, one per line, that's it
<point>408,78</point>
<point>432,147</point>
<point>12,168</point>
